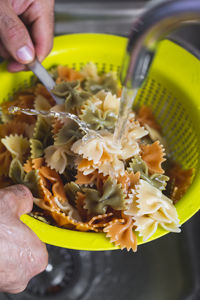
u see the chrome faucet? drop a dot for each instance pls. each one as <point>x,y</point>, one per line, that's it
<point>154,25</point>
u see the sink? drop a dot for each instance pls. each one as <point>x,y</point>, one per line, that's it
<point>165,269</point>
<point>96,16</point>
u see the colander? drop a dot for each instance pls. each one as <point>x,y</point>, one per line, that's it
<point>172,90</point>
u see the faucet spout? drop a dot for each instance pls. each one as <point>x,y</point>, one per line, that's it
<point>146,33</point>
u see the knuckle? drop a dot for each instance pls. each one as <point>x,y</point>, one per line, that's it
<point>23,192</point>
<point>41,8</point>
<point>7,200</point>
<point>15,31</point>
<point>10,196</point>
<point>13,28</point>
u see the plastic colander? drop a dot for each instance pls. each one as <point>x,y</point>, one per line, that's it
<point>172,90</point>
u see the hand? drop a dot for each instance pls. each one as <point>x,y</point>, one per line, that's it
<point>22,254</point>
<point>26,31</point>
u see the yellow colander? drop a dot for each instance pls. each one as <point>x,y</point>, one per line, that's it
<point>172,90</point>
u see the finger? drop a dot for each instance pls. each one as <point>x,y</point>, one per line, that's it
<point>16,291</point>
<point>15,199</point>
<point>35,255</point>
<point>24,260</point>
<point>14,35</point>
<point>41,16</point>
<point>21,6</point>
<point>3,52</point>
<point>14,67</point>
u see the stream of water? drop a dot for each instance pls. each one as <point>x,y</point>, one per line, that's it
<point>33,112</point>
<point>126,102</point>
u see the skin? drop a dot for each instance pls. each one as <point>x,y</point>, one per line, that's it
<point>22,254</point>
<point>23,23</point>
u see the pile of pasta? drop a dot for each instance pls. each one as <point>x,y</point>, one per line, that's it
<point>88,182</point>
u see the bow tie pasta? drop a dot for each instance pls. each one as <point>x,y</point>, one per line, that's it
<point>88,182</point>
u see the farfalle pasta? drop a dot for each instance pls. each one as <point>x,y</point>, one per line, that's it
<point>121,233</point>
<point>86,181</point>
<point>150,208</point>
<point>17,145</point>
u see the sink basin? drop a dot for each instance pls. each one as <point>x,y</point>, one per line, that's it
<point>165,269</point>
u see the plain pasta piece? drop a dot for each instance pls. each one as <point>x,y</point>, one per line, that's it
<point>90,71</point>
<point>94,148</point>
<point>56,157</point>
<point>105,155</point>
<point>153,156</point>
<point>17,145</point>
<point>147,226</point>
<point>106,101</point>
<point>151,208</point>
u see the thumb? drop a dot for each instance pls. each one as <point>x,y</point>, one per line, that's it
<point>14,35</point>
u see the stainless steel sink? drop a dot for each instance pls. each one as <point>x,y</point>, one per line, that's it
<point>112,17</point>
<point>166,269</point>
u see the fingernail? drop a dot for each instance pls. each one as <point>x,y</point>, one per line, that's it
<point>25,54</point>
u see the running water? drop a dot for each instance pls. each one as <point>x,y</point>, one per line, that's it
<point>126,102</point>
<point>33,112</point>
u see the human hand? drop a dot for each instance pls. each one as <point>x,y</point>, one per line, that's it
<point>22,254</point>
<point>26,31</point>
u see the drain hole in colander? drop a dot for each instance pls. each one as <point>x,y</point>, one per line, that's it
<point>58,275</point>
